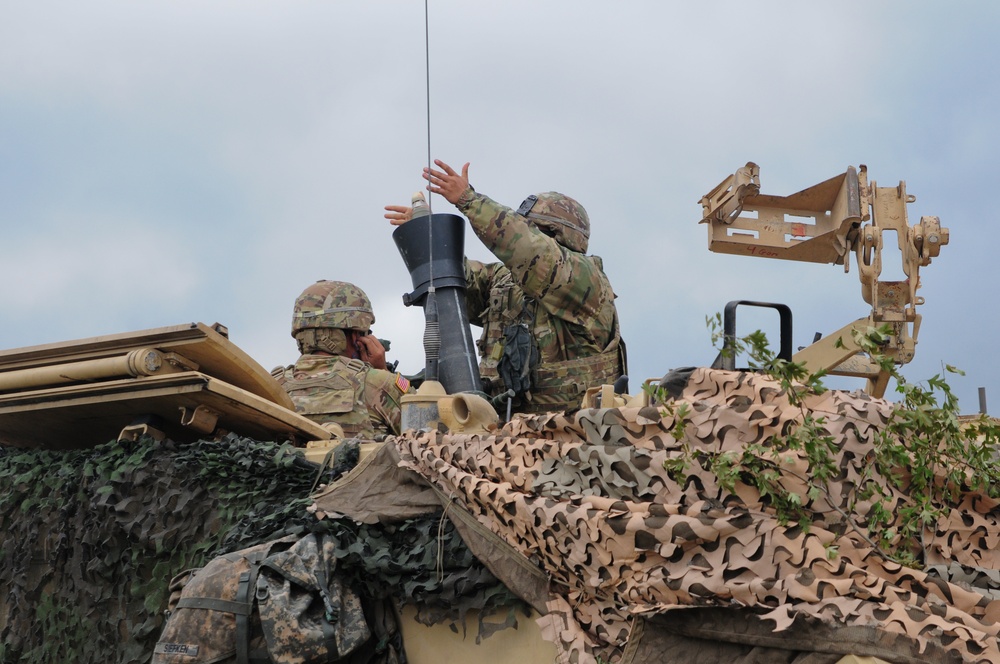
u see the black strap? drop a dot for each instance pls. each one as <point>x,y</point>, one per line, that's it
<point>520,355</point>
<point>212,604</point>
<point>242,621</point>
<point>519,359</point>
<point>244,597</point>
<point>331,611</point>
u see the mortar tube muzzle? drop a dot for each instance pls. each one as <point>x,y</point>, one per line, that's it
<point>432,248</point>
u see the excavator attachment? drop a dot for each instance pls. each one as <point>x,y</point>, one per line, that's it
<point>826,223</point>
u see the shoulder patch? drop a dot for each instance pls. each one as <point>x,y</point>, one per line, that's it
<point>402,383</point>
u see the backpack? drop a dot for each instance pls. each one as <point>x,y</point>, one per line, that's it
<point>275,603</point>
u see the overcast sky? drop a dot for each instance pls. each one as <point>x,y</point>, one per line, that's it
<point>170,162</point>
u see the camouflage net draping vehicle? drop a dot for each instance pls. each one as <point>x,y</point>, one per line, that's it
<point>603,534</point>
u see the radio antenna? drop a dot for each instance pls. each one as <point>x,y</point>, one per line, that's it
<point>427,79</point>
<point>432,331</point>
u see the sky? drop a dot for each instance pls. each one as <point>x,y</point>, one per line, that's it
<point>170,162</point>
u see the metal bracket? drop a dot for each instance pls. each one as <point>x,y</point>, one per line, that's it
<point>825,223</point>
<point>134,432</point>
<point>813,225</point>
<point>178,362</point>
<point>201,419</point>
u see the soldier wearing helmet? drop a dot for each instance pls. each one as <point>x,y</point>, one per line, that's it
<point>341,376</point>
<point>544,296</point>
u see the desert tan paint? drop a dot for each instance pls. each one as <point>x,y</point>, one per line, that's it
<point>825,223</point>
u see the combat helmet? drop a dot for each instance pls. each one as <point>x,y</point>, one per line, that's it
<point>560,217</point>
<point>332,304</point>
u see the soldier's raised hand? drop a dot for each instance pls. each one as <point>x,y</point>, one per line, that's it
<point>447,182</point>
<point>398,214</point>
<point>371,351</point>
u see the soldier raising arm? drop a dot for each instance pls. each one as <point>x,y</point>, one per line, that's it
<point>544,283</point>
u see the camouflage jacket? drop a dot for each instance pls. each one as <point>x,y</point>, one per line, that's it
<point>563,296</point>
<point>333,388</point>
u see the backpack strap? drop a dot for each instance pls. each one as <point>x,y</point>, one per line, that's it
<point>241,606</point>
<point>244,598</point>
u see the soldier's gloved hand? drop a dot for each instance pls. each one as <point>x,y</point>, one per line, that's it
<point>398,214</point>
<point>447,182</point>
<point>372,351</point>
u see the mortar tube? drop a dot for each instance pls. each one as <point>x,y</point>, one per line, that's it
<point>458,367</point>
<point>432,336</point>
<point>435,262</point>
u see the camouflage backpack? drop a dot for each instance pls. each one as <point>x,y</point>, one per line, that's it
<point>278,602</point>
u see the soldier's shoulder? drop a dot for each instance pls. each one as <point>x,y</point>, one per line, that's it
<point>317,366</point>
<point>351,365</point>
<point>388,380</point>
<point>598,264</point>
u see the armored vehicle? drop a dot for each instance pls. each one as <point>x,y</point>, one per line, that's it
<point>163,502</point>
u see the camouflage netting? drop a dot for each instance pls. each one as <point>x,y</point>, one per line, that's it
<point>420,561</point>
<point>93,537</point>
<point>626,543</point>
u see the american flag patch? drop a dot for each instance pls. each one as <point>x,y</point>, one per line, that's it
<point>402,383</point>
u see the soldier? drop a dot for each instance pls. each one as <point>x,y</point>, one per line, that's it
<point>341,375</point>
<point>550,327</point>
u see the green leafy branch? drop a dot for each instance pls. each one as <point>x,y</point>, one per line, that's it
<point>926,451</point>
<point>929,452</point>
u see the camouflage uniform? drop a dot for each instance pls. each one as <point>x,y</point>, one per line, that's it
<point>559,292</point>
<point>364,401</point>
<point>325,384</point>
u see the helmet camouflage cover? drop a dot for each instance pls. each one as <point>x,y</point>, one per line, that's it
<point>333,304</point>
<point>559,216</point>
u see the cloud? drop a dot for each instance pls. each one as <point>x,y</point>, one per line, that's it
<point>94,277</point>
<point>168,162</point>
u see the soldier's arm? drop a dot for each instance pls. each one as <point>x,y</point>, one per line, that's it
<point>383,390</point>
<point>568,284</point>
<point>478,277</point>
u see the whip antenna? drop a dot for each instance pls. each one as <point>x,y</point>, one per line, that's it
<point>432,333</point>
<point>431,246</point>
<point>427,80</point>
